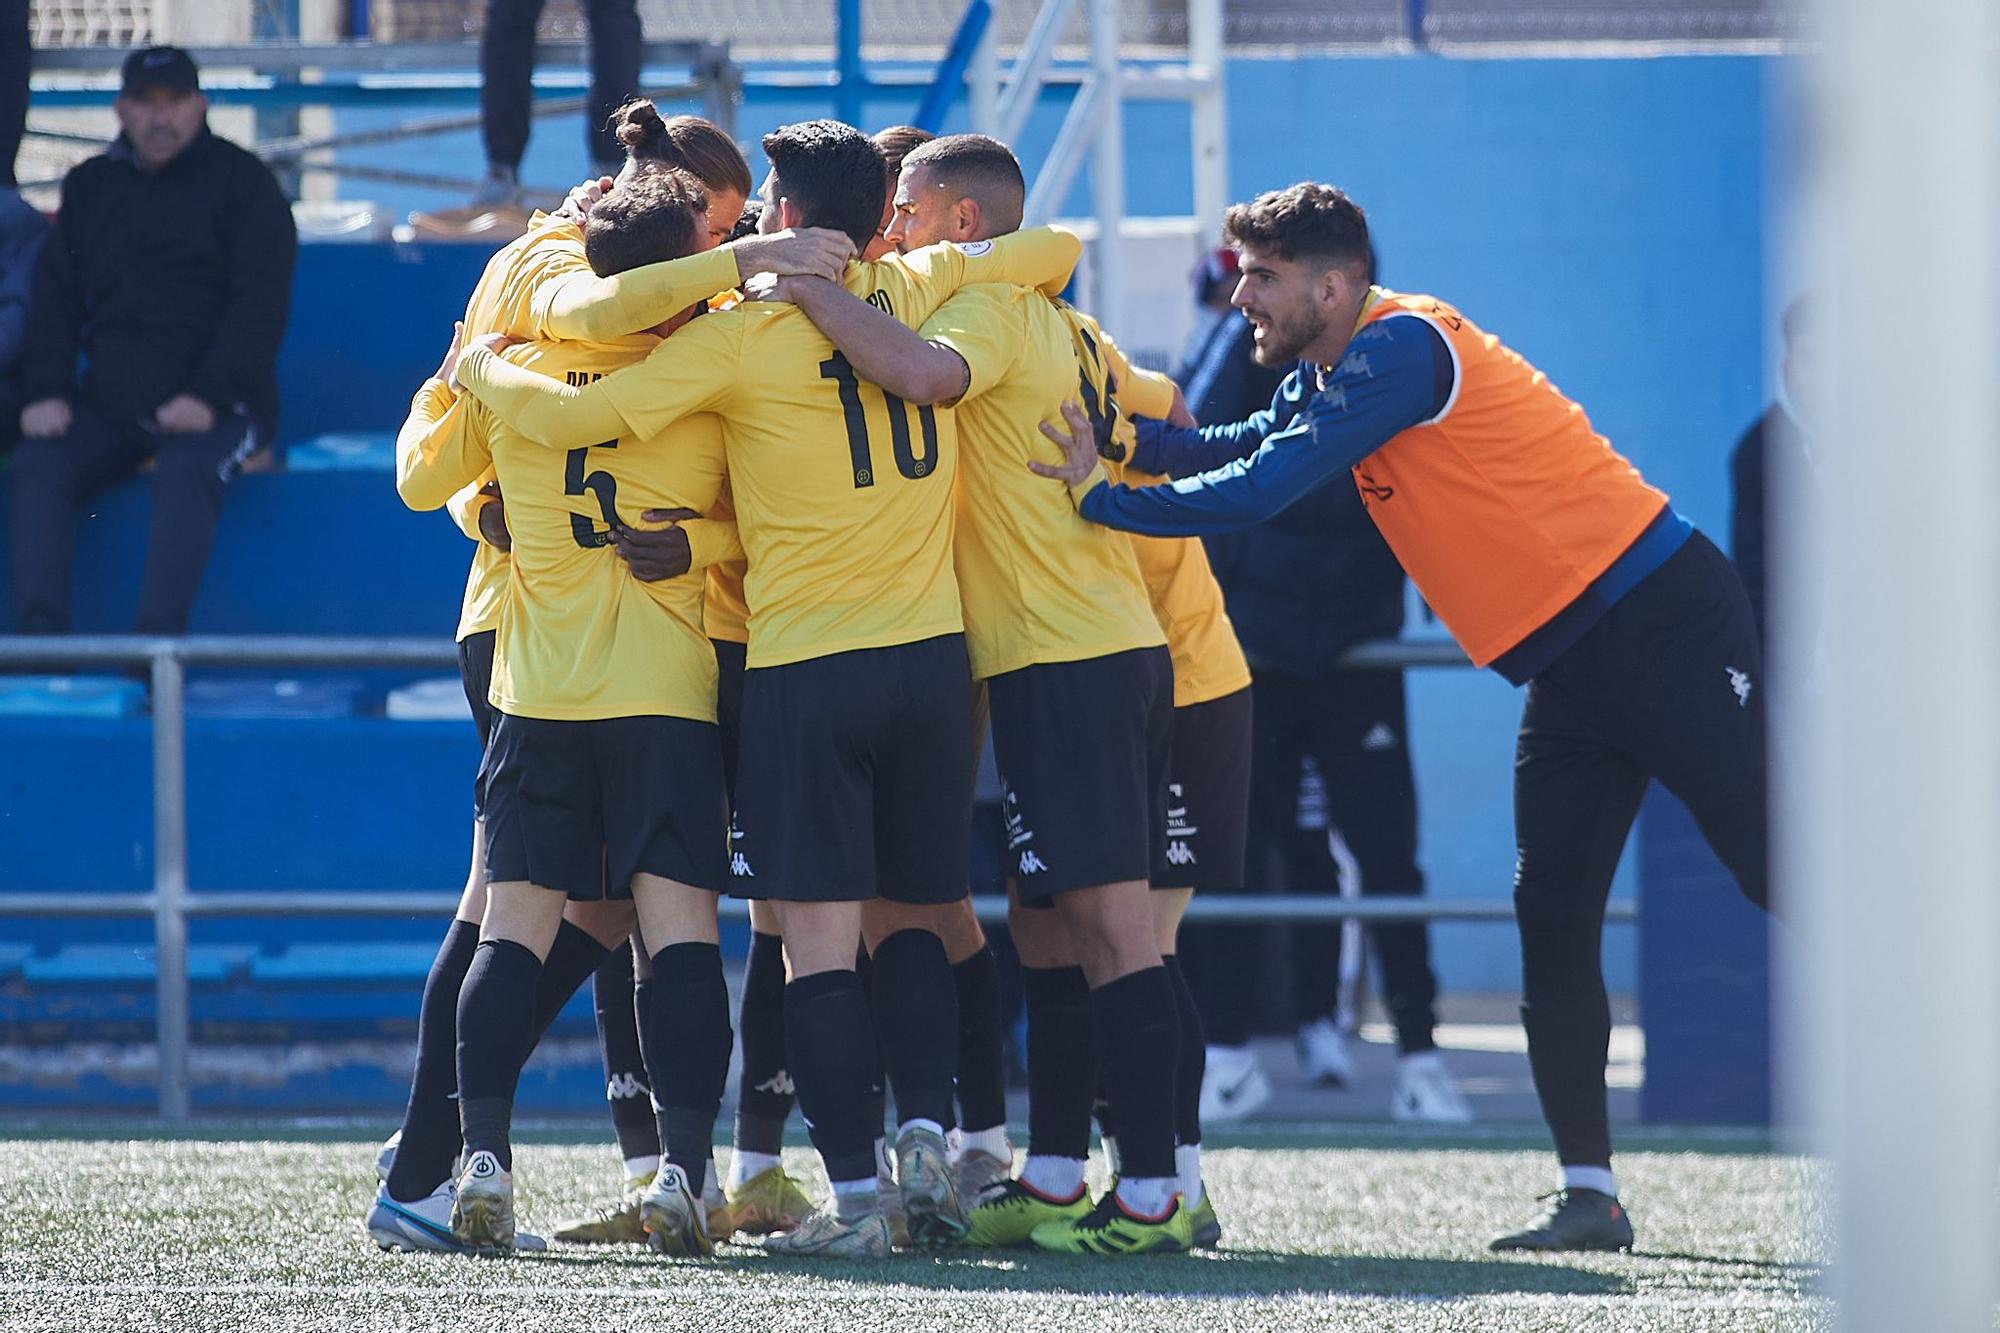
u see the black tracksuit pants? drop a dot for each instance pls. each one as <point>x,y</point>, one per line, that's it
<point>507,59</point>
<point>53,477</point>
<point>1668,685</point>
<point>1354,726</point>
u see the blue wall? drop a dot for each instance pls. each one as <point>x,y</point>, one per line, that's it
<point>1604,216</point>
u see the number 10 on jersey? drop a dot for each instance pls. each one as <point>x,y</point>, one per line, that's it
<point>908,462</point>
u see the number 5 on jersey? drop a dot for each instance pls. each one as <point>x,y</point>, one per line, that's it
<point>837,369</point>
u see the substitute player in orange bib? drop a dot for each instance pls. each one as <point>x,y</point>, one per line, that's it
<point>1548,557</point>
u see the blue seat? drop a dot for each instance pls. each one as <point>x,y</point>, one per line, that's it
<point>370,963</point>
<point>71,696</point>
<point>115,964</point>
<point>344,451</point>
<point>11,958</point>
<point>275,696</point>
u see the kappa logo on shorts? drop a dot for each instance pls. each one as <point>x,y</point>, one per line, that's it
<point>1739,681</point>
<point>625,1088</point>
<point>739,866</point>
<point>779,1084</point>
<point>1180,854</point>
<point>1381,736</point>
<point>1178,826</point>
<point>1032,864</point>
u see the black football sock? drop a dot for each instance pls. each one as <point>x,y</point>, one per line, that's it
<point>982,1059</point>
<point>574,956</point>
<point>626,1086</point>
<point>1138,1030</point>
<point>916,1013</point>
<point>1062,1061</point>
<point>689,1016</point>
<point>430,1139</point>
<point>764,1091</point>
<point>878,1069</point>
<point>831,1048</point>
<point>496,1007</point>
<point>1193,1059</point>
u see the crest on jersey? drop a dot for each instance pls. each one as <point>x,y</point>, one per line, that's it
<point>973,249</point>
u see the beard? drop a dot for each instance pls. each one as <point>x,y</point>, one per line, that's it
<point>1280,343</point>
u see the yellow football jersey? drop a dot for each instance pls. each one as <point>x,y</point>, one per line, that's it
<point>843,493</point>
<point>539,285</point>
<point>580,638</point>
<point>1208,660</point>
<point>725,613</point>
<point>1039,582</point>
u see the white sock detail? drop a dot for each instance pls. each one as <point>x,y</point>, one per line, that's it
<point>639,1167</point>
<point>909,1125</point>
<point>1057,1177</point>
<point>1597,1178</point>
<point>1110,1142</point>
<point>1187,1165</point>
<point>885,1166</point>
<point>1148,1196</point>
<point>992,1142</point>
<point>745,1167</point>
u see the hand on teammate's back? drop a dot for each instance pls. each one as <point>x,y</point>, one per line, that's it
<point>495,343</point>
<point>46,419</point>
<point>493,519</point>
<point>580,200</point>
<point>448,368</point>
<point>809,252</point>
<point>657,553</point>
<point>1079,446</point>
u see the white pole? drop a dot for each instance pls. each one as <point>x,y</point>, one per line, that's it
<point>1107,166</point>
<point>983,81</point>
<point>1889,841</point>
<point>1209,126</point>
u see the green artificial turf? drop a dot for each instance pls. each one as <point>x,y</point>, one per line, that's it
<point>228,1232</point>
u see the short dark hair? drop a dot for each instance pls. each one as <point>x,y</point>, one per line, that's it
<point>896,143</point>
<point>753,213</point>
<point>652,216</point>
<point>977,168</point>
<point>694,145</point>
<point>1308,221</point>
<point>835,177</point>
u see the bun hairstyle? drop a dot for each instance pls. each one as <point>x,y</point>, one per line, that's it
<point>686,143</point>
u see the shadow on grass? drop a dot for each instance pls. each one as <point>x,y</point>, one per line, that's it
<point>1221,1273</point>
<point>1802,1270</point>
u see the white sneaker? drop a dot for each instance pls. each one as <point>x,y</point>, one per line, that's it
<point>385,1156</point>
<point>425,1224</point>
<point>675,1221</point>
<point>482,1216</point>
<point>1323,1054</point>
<point>1425,1092</point>
<point>1234,1085</point>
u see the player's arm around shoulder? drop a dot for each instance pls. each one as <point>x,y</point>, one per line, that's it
<point>917,283</point>
<point>442,446</point>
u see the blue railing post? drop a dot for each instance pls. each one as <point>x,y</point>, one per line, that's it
<point>1413,22</point>
<point>951,70</point>
<point>847,62</point>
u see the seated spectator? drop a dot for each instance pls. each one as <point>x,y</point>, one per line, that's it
<point>158,306</point>
<point>21,233</point>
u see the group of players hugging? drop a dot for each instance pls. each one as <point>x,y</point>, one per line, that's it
<point>781,507</point>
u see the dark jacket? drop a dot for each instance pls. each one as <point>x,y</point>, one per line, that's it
<point>161,284</point>
<point>1775,443</point>
<point>1308,584</point>
<point>22,229</point>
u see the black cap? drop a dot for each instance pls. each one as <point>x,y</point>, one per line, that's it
<point>158,67</point>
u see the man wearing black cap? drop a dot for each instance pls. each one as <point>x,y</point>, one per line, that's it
<point>153,332</point>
